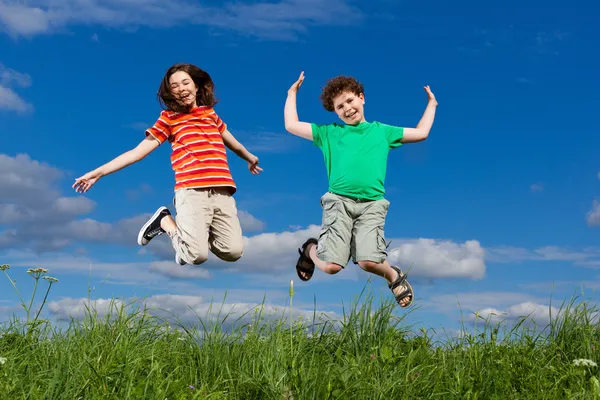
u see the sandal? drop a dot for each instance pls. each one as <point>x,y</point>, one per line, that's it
<point>401,280</point>
<point>304,259</point>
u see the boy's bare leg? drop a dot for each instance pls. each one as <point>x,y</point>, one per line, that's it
<point>327,267</point>
<point>386,271</point>
<point>381,269</point>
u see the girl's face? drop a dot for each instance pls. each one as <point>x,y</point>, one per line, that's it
<point>183,88</point>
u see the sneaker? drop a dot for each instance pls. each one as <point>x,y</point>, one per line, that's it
<point>152,228</point>
<point>179,260</point>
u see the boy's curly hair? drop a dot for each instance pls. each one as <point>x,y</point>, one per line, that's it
<point>334,86</point>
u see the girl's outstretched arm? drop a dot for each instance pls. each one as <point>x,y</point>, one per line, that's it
<point>232,143</point>
<point>146,146</point>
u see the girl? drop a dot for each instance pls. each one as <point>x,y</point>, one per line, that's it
<point>206,210</point>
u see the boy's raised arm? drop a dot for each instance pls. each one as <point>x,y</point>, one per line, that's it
<point>292,124</point>
<point>421,132</point>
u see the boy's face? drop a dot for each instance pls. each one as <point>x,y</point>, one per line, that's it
<point>183,88</point>
<point>350,107</point>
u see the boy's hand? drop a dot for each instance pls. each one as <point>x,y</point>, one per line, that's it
<point>84,183</point>
<point>253,166</point>
<point>430,95</point>
<point>294,88</point>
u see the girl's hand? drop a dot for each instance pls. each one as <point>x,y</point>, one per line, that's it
<point>84,183</point>
<point>253,166</point>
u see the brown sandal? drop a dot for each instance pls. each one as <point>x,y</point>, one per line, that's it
<point>305,259</point>
<point>401,280</point>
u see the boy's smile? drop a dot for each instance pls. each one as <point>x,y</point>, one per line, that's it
<point>350,107</point>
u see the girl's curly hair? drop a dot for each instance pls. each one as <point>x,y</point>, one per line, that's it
<point>334,86</point>
<point>202,80</point>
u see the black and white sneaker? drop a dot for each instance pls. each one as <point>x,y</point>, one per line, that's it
<point>152,228</point>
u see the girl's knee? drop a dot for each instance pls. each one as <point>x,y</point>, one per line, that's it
<point>332,268</point>
<point>231,255</point>
<point>230,252</point>
<point>199,257</point>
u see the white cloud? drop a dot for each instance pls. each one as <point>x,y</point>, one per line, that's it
<point>549,42</point>
<point>470,302</point>
<point>508,254</point>
<point>272,253</point>
<point>593,216</point>
<point>9,99</point>
<point>507,308</point>
<point>429,258</point>
<point>249,222</point>
<point>537,187</point>
<point>9,77</point>
<point>149,274</point>
<point>187,310</point>
<point>25,180</point>
<point>172,270</point>
<point>535,314</point>
<point>282,20</point>
<point>277,253</point>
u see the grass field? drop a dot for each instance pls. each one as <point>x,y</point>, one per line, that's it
<point>368,354</point>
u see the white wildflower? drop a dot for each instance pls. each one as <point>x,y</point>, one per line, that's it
<point>2,360</point>
<point>582,362</point>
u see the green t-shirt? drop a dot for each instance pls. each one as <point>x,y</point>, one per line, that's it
<point>356,156</point>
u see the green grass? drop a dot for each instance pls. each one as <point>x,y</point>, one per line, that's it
<point>369,354</point>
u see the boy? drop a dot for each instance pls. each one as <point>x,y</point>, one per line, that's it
<point>354,208</point>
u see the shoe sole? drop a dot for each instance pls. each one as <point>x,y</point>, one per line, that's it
<point>147,224</point>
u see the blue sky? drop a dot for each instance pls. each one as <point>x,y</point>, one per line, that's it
<point>499,204</point>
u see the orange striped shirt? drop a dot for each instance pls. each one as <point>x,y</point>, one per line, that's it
<point>198,158</point>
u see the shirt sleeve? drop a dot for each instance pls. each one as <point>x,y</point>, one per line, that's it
<point>394,135</point>
<point>161,130</point>
<point>221,126</point>
<point>319,133</point>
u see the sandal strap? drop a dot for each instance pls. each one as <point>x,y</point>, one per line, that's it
<point>399,280</point>
<point>403,294</point>
<point>302,250</point>
<point>302,268</point>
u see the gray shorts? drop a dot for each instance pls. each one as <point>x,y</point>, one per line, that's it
<point>352,228</point>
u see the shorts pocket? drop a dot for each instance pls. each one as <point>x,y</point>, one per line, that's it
<point>330,212</point>
<point>381,245</point>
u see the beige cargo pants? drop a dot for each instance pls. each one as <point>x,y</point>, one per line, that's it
<point>207,220</point>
